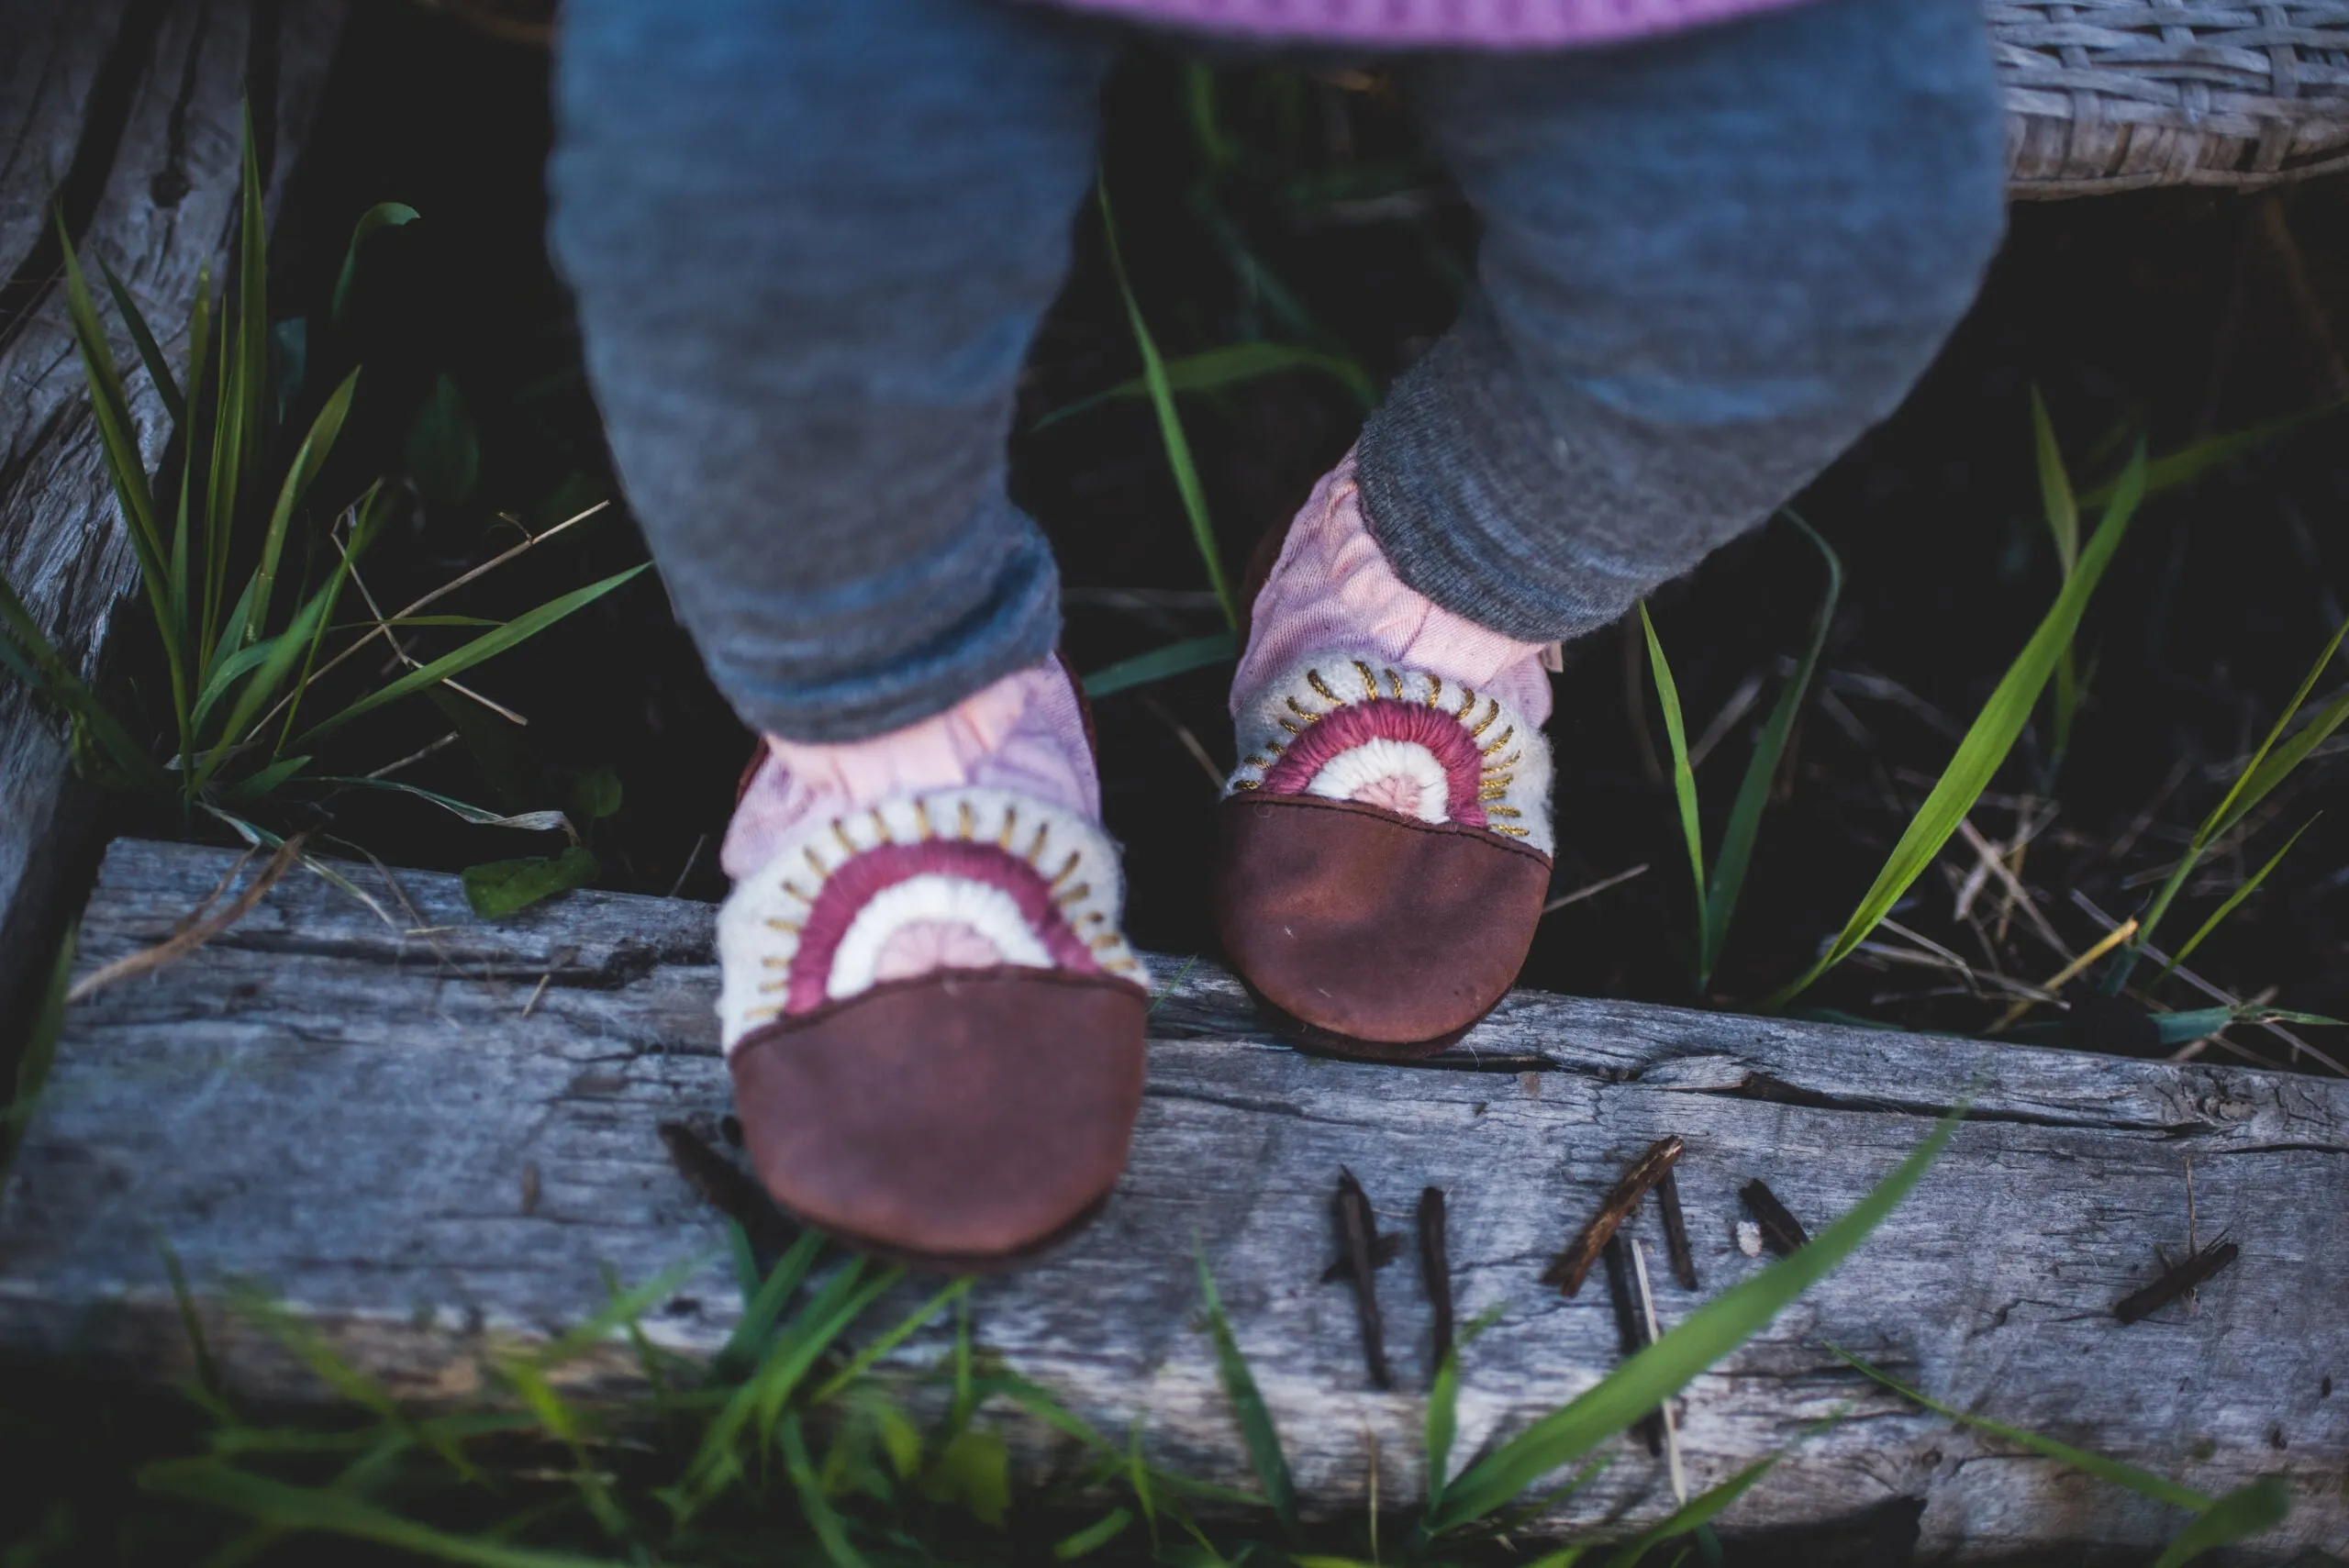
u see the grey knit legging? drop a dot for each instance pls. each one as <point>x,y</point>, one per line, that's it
<point>811,241</point>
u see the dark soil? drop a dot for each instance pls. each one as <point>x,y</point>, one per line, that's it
<point>2171,314</point>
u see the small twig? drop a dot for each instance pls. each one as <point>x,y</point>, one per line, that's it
<point>1357,1228</point>
<point>691,860</point>
<point>1741,702</point>
<point>1435,1268</point>
<point>1602,886</point>
<point>1656,1332</point>
<point>388,769</point>
<point>2069,972</point>
<point>1572,1265</point>
<point>1992,862</point>
<point>1675,1231</point>
<point>2177,1281</point>
<point>1780,1231</point>
<point>1631,1330</point>
<point>185,940</point>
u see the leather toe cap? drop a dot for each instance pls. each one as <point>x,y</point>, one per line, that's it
<point>1391,934</point>
<point>965,1119</point>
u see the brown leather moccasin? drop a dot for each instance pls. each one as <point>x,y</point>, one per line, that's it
<point>1384,935</point>
<point>965,1119</point>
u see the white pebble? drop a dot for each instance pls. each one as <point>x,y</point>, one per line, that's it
<point>1749,1238</point>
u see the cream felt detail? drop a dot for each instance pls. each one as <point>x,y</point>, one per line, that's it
<point>1403,777</point>
<point>1512,762</point>
<point>984,912</point>
<point>761,924</point>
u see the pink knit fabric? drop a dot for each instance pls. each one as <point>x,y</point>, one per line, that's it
<point>1332,592</point>
<point>1024,734</point>
<point>1431,24</point>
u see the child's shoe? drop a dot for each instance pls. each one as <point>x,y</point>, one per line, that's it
<point>1387,839</point>
<point>934,1024</point>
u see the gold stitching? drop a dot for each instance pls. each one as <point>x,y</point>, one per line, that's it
<point>1036,845</point>
<point>921,818</point>
<point>1435,689</point>
<point>1369,681</point>
<point>792,888</point>
<point>791,927</point>
<point>1010,820</point>
<point>964,823</point>
<point>1511,760</point>
<point>1493,792</point>
<point>1082,890</point>
<point>1395,682</point>
<point>1467,705</point>
<point>840,831</point>
<point>1486,722</point>
<point>1313,678</point>
<point>1503,811</point>
<point>881,825</point>
<point>1104,942</point>
<point>1303,712</point>
<point>1248,784</point>
<point>1292,726</point>
<point>1505,736</point>
<point>1512,832</point>
<point>823,872</point>
<point>1075,856</point>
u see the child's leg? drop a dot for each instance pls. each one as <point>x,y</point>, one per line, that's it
<point>810,242</point>
<point>1710,264</point>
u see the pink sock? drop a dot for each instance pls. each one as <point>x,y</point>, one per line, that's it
<point>1332,589</point>
<point>1023,734</point>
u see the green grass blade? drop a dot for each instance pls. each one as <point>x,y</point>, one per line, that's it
<point>2055,499</point>
<point>35,659</point>
<point>521,629</point>
<point>1163,663</point>
<point>2145,1482</point>
<point>151,353</point>
<point>1987,742</point>
<point>1256,1428</point>
<point>252,303</point>
<point>1697,1510</point>
<point>2171,470</point>
<point>1735,856</point>
<point>1442,1424</point>
<point>272,671</point>
<point>1093,1536</point>
<point>623,1308</point>
<point>2243,1513</point>
<point>479,815</point>
<point>821,1519</point>
<point>2250,886</point>
<point>126,468</point>
<point>224,676</point>
<point>288,1508</point>
<point>382,216</point>
<point>1683,781</point>
<point>1234,364</point>
<point>1170,425</point>
<point>311,457</point>
<point>766,1304</point>
<point>2259,777</point>
<point>1660,1371</point>
<point>903,1330</point>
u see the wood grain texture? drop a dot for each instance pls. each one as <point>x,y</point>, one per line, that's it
<point>391,1134</point>
<point>122,115</point>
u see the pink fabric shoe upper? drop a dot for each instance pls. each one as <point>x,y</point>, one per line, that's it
<point>971,841</point>
<point>1332,590</point>
<point>1023,735</point>
<point>1396,24</point>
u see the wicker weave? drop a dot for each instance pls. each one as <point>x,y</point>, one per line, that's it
<point>2115,94</point>
<point>2101,94</point>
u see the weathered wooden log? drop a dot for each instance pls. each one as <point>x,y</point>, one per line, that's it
<point>432,1140</point>
<point>119,118</point>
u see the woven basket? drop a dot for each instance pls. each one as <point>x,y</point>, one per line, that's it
<point>2118,95</point>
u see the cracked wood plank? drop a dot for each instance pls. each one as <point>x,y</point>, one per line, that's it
<point>387,1131</point>
<point>121,118</point>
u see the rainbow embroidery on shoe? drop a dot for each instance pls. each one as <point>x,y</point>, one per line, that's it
<point>960,879</point>
<point>1402,741</point>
